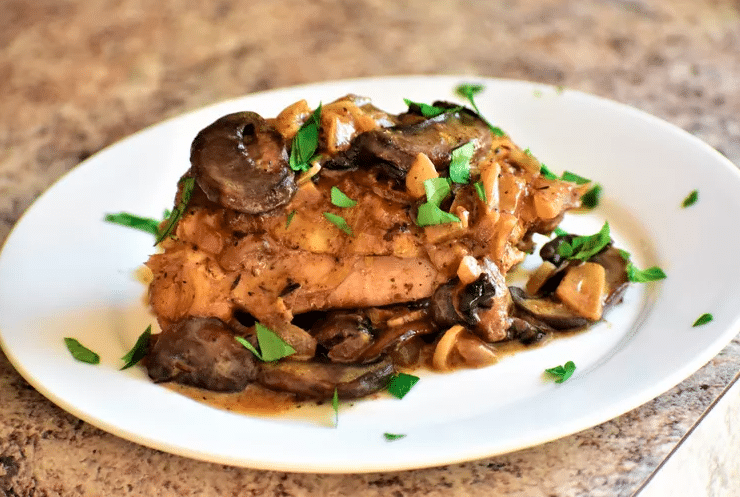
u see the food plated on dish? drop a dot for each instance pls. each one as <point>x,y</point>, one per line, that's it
<point>322,252</point>
<point>640,348</point>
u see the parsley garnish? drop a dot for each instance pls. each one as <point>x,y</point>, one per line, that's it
<point>636,275</point>
<point>469,91</point>
<point>591,198</point>
<point>339,222</point>
<point>305,142</point>
<point>393,436</point>
<point>480,190</point>
<point>544,171</point>
<point>437,189</point>
<point>339,198</point>
<point>560,231</point>
<point>429,111</point>
<point>703,319</point>
<point>574,178</point>
<point>562,373</point>
<point>272,346</point>
<point>139,350</point>
<point>145,224</point>
<point>80,352</point>
<point>335,406</point>
<point>584,247</point>
<point>644,275</point>
<point>401,383</point>
<point>460,164</point>
<point>290,218</point>
<point>187,191</point>
<point>690,199</point>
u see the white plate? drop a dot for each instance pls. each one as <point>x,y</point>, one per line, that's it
<point>64,272</point>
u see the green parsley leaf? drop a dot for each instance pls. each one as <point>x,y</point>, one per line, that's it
<point>690,199</point>
<point>80,352</point>
<point>574,178</point>
<point>430,215</point>
<point>460,164</point>
<point>335,406</point>
<point>583,247</point>
<point>339,222</point>
<point>401,384</point>
<point>139,350</point>
<point>393,436</point>
<point>339,198</point>
<point>481,192</point>
<point>305,142</point>
<point>528,152</point>
<point>188,184</point>
<point>591,198</point>
<point>437,189</point>
<point>562,373</point>
<point>643,276</point>
<point>703,319</point>
<point>429,111</point>
<point>560,231</point>
<point>469,91</point>
<point>272,346</point>
<point>544,171</point>
<point>289,219</point>
<point>145,224</point>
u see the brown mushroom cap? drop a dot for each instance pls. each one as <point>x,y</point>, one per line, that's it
<point>240,161</point>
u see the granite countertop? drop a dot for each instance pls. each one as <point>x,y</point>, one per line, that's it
<point>78,76</point>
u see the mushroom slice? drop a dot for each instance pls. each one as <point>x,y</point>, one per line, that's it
<point>547,310</point>
<point>201,352</point>
<point>319,380</point>
<point>344,334</point>
<point>240,161</point>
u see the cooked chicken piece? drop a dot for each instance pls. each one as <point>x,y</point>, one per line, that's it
<point>256,240</point>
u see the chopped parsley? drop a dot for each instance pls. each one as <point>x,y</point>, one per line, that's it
<point>80,352</point>
<point>272,347</point>
<point>562,373</point>
<point>584,247</point>
<point>145,224</point>
<point>480,190</point>
<point>339,222</point>
<point>703,319</point>
<point>305,143</point>
<point>188,184</point>
<point>469,91</point>
<point>139,350</point>
<point>690,199</point>
<point>393,436</point>
<point>429,111</point>
<point>636,275</point>
<point>653,273</point>
<point>591,198</point>
<point>401,384</point>
<point>289,219</point>
<point>544,171</point>
<point>430,214</point>
<point>574,178</point>
<point>560,231</point>
<point>335,406</point>
<point>460,164</point>
<point>340,199</point>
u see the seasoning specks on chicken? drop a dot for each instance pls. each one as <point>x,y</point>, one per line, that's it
<point>354,307</point>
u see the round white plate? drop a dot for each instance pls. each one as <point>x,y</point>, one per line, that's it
<point>65,272</point>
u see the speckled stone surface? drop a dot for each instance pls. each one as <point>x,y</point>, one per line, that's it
<point>78,76</point>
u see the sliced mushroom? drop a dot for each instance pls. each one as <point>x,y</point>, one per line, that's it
<point>345,335</point>
<point>319,380</point>
<point>395,149</point>
<point>201,352</point>
<point>547,310</point>
<point>240,161</point>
